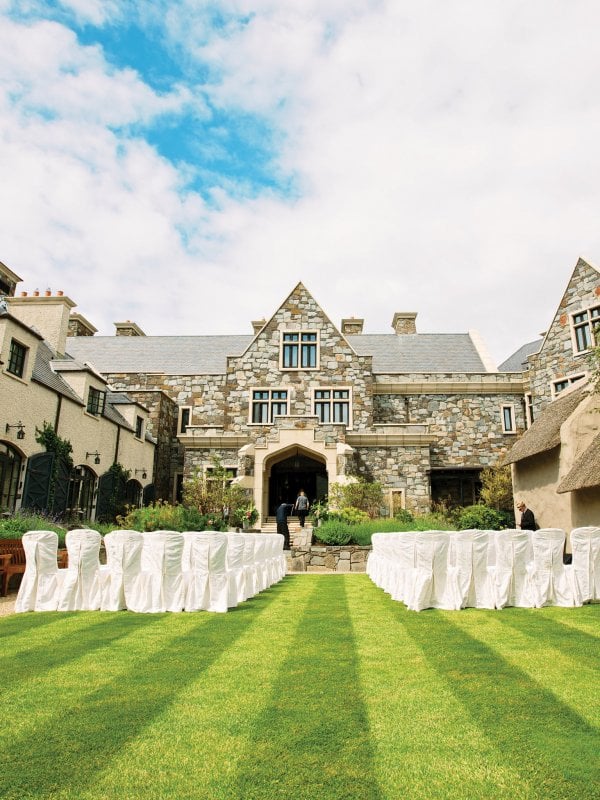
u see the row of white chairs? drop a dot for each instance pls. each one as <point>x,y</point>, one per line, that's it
<point>148,572</point>
<point>487,569</point>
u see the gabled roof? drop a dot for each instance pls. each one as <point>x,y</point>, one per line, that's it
<point>517,362</point>
<point>544,433</point>
<point>44,374</point>
<point>585,472</point>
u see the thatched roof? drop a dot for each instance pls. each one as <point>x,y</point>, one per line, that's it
<point>585,472</point>
<point>544,433</point>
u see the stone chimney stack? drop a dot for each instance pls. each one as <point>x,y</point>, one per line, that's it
<point>257,325</point>
<point>128,328</point>
<point>48,314</point>
<point>405,322</point>
<point>352,326</point>
<point>80,326</point>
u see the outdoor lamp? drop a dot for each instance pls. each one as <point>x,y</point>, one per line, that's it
<point>143,471</point>
<point>20,426</point>
<point>96,456</point>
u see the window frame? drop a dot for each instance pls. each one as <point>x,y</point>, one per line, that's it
<point>510,408</point>
<point>17,358</point>
<point>182,425</point>
<point>270,402</point>
<point>568,381</point>
<point>587,325</point>
<point>139,427</point>
<point>96,402</point>
<point>300,346</point>
<point>528,406</point>
<point>331,402</point>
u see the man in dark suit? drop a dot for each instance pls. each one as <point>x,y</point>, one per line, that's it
<point>527,517</point>
<point>281,515</point>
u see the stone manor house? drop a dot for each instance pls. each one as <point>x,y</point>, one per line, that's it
<point>300,403</point>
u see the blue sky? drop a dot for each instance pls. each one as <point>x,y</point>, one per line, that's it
<point>205,157</point>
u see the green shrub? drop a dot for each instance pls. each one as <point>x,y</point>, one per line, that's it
<point>481,517</point>
<point>15,526</point>
<point>334,532</point>
<point>404,516</point>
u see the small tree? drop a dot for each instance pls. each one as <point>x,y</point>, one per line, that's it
<point>213,492</point>
<point>364,495</point>
<point>496,488</point>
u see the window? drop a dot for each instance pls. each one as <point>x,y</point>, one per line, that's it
<point>139,427</point>
<point>584,324</point>
<point>185,417</point>
<point>268,404</point>
<point>299,350</point>
<point>16,358</point>
<point>508,419</point>
<point>564,383</point>
<point>528,409</point>
<point>95,403</point>
<point>332,405</point>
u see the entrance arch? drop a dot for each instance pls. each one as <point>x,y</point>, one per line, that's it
<point>294,471</point>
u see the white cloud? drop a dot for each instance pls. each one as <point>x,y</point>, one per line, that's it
<point>446,157</point>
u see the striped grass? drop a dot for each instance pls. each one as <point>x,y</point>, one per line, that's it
<point>321,687</point>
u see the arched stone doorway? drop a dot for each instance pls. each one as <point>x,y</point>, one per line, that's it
<point>295,471</point>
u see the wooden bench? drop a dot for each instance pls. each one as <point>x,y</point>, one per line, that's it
<point>13,566</point>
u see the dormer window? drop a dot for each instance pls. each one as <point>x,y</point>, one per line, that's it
<point>139,427</point>
<point>585,335</point>
<point>299,350</point>
<point>95,403</point>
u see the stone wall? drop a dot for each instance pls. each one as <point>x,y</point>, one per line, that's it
<point>322,558</point>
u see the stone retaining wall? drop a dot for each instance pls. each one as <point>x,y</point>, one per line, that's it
<point>326,558</point>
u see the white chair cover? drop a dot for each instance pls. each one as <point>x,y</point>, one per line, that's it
<point>551,584</point>
<point>120,575</point>
<point>81,589</point>
<point>235,569</point>
<point>512,579</point>
<point>372,565</point>
<point>260,556</point>
<point>161,579</point>
<point>195,560</point>
<point>280,559</point>
<point>40,582</point>
<point>429,577</point>
<point>218,581</point>
<point>585,546</point>
<point>470,582</point>
<point>250,571</point>
<point>402,551</point>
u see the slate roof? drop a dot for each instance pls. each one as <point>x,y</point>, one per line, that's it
<point>206,355</point>
<point>544,433</point>
<point>44,374</point>
<point>419,352</point>
<point>171,355</point>
<point>585,472</point>
<point>517,362</point>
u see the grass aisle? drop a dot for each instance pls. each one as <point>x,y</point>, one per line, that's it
<point>321,687</point>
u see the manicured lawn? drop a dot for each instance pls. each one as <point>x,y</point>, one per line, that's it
<point>321,687</point>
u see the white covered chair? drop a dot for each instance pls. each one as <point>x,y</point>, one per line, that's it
<point>120,575</point>
<point>470,582</point>
<point>235,569</point>
<point>40,583</point>
<point>161,580</point>
<point>585,546</point>
<point>512,573</point>
<point>80,588</point>
<point>551,583</point>
<point>260,557</point>
<point>429,580</point>
<point>372,565</point>
<point>196,562</point>
<point>280,561</point>
<point>250,571</point>
<point>402,556</point>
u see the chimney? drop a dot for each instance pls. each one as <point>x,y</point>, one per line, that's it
<point>352,326</point>
<point>405,322</point>
<point>258,325</point>
<point>80,326</point>
<point>48,314</point>
<point>128,328</point>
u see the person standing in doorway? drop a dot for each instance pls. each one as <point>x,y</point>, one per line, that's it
<point>281,515</point>
<point>528,522</point>
<point>301,507</point>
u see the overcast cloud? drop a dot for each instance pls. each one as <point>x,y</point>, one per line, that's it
<point>435,157</point>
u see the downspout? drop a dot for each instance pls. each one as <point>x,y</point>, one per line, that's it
<point>116,458</point>
<point>58,409</point>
